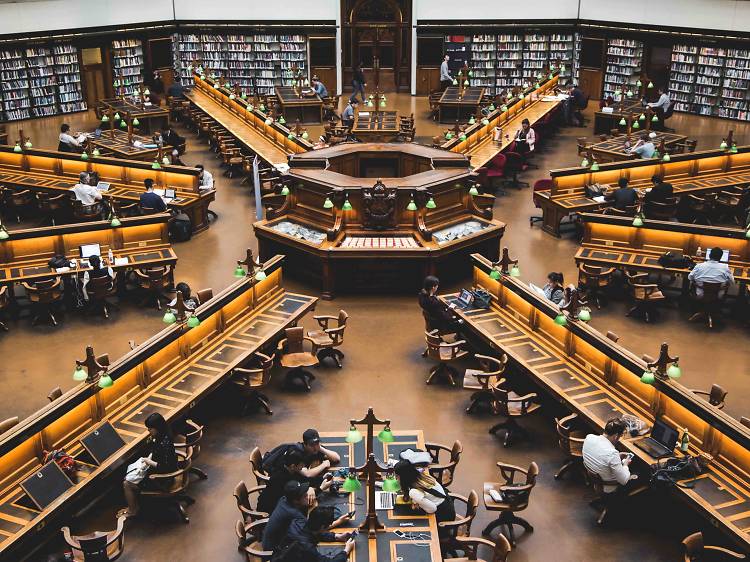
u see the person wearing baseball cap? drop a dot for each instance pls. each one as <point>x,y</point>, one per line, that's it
<point>293,505</point>
<point>317,458</point>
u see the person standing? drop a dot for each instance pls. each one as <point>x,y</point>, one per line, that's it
<point>358,83</point>
<point>445,73</point>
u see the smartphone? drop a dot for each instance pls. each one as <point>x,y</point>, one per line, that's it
<point>399,533</point>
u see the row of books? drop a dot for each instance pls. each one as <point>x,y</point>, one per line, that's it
<point>127,66</point>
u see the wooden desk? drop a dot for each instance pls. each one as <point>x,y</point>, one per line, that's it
<point>57,172</point>
<point>479,145</point>
<point>614,242</point>
<point>605,122</point>
<point>376,127</point>
<point>598,380</point>
<point>116,143</point>
<point>385,546</point>
<point>169,374</point>
<point>696,172</point>
<point>615,149</point>
<point>152,117</point>
<point>144,241</point>
<point>453,106</point>
<point>305,109</point>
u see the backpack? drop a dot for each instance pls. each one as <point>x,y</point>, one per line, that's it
<point>66,463</point>
<point>676,260</point>
<point>289,552</point>
<point>180,230</point>
<point>272,459</point>
<point>58,261</point>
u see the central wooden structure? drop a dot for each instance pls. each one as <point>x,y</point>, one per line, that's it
<point>378,216</point>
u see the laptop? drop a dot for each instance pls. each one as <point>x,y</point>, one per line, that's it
<point>724,256</point>
<point>88,250</point>
<point>384,500</point>
<point>160,192</point>
<point>103,186</point>
<point>662,441</point>
<point>169,194</point>
<point>465,299</point>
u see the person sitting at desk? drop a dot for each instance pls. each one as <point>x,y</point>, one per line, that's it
<point>624,196</point>
<point>291,466</point>
<point>319,87</point>
<point>205,179</point>
<point>711,271</point>
<point>69,143</point>
<point>423,491</point>
<point>176,89</point>
<point>660,192</point>
<point>445,73</point>
<point>347,116</point>
<point>187,299</point>
<point>574,104</point>
<point>644,148</point>
<point>150,200</point>
<point>661,105</point>
<point>292,506</point>
<point>609,101</point>
<point>85,193</point>
<point>602,458</point>
<point>96,271</point>
<point>525,138</point>
<point>317,458</point>
<point>171,138</point>
<point>157,139</point>
<point>161,460</point>
<point>553,290</point>
<point>301,541</point>
<point>439,316</point>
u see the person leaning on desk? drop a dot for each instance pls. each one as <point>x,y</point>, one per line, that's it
<point>624,196</point>
<point>711,271</point>
<point>86,193</point>
<point>644,148</point>
<point>150,200</point>
<point>601,457</point>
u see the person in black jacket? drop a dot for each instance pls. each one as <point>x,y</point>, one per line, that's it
<point>358,83</point>
<point>301,542</point>
<point>573,105</point>
<point>624,196</point>
<point>440,317</point>
<point>660,192</point>
<point>290,470</point>
<point>151,200</point>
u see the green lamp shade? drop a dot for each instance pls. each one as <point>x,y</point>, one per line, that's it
<point>291,135</point>
<point>485,121</point>
<point>369,103</point>
<point>595,167</point>
<point>17,148</point>
<point>105,118</point>
<point>4,234</point>
<point>642,117</point>
<point>462,136</point>
<point>146,92</point>
<point>733,150</point>
<point>536,85</point>
<point>117,117</point>
<point>747,233</point>
<point>79,374</point>
<point>471,73</point>
<point>562,68</point>
<point>328,204</point>
<point>353,435</point>
<point>282,120</point>
<point>136,122</point>
<point>250,107</point>
<point>636,125</point>
<point>722,146</point>
<point>155,165</point>
<point>390,484</point>
<point>503,108</point>
<point>105,381</point>
<point>285,190</point>
<point>193,322</point>
<point>262,107</point>
<point>647,377</point>
<point>666,158</point>
<point>412,206</point>
<point>494,274</point>
<point>654,119</point>
<point>474,191</point>
<point>84,156</point>
<point>346,206</point>
<point>96,152</point>
<point>522,96</point>
<point>623,122</point>
<point>239,271</point>
<point>232,96</point>
<point>650,85</point>
<point>637,221</point>
<point>351,484</point>
<point>260,275</point>
<point>28,144</point>
<point>515,271</point>
<point>674,371</point>
<point>386,436</point>
<point>618,92</point>
<point>639,83</point>
<point>244,97</point>
<point>472,120</point>
<point>216,85</point>
<point>169,317</point>
<point>455,82</point>
<point>382,103</point>
<point>492,107</point>
<point>123,125</point>
<point>430,203</point>
<point>584,315</point>
<point>466,82</point>
<point>585,162</point>
<point>305,135</point>
<point>115,222</point>
<point>460,72</point>
<point>551,76</point>
<point>629,94</point>
<point>561,320</point>
<point>269,120</point>
<point>165,161</point>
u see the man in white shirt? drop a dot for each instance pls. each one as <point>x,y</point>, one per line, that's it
<point>445,74</point>
<point>661,105</point>
<point>601,457</point>
<point>85,193</point>
<point>69,143</point>
<point>711,271</point>
<point>206,180</point>
<point>644,148</point>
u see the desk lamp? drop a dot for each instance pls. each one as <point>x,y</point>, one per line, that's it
<point>658,369</point>
<point>254,267</point>
<point>4,232</point>
<point>92,370</point>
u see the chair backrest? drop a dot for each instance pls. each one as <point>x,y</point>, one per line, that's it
<point>99,287</point>
<point>498,161</point>
<point>594,276</point>
<point>564,429</point>
<point>5,425</point>
<point>158,277</point>
<point>513,161</point>
<point>205,295</point>
<point>711,291</point>
<point>21,198</point>
<point>502,548</point>
<point>94,547</point>
<point>337,333</point>
<point>54,394</point>
<point>4,297</point>
<point>256,461</point>
<point>242,496</point>
<point>545,184</point>
<point>44,291</point>
<point>717,395</point>
<point>434,344</point>
<point>295,339</point>
<point>86,212</point>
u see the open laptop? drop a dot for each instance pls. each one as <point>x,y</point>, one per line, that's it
<point>661,443</point>
<point>724,256</point>
<point>169,195</point>
<point>103,186</point>
<point>384,500</point>
<point>465,299</point>
<point>88,250</point>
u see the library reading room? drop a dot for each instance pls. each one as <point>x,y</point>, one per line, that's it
<point>374,281</point>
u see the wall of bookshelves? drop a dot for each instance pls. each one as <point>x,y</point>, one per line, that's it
<point>127,66</point>
<point>624,63</point>
<point>257,62</point>
<point>39,81</point>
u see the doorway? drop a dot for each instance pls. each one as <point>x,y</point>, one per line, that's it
<point>92,74</point>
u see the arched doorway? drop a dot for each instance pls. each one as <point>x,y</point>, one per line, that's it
<point>377,30</point>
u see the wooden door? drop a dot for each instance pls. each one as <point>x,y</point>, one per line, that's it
<point>591,82</point>
<point>93,76</point>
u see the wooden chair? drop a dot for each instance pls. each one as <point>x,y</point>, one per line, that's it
<point>54,394</point>
<point>328,339</point>
<point>6,424</point>
<point>330,106</point>
<point>125,208</point>
<point>570,439</point>
<point>594,280</point>
<point>709,305</point>
<point>251,381</point>
<point>514,497</point>
<point>645,295</point>
<point>5,303</point>
<point>461,525</point>
<point>430,326</point>
<point>443,472</point>
<point>661,211</point>
<point>53,207</point>
<point>20,201</point>
<point>628,211</point>
<point>191,437</point>
<point>256,462</point>
<point>204,295</point>
<point>245,503</point>
<point>514,165</point>
<point>701,209</point>
<point>444,353</point>
<point>44,296</point>
<point>512,407</point>
<point>605,501</point>
<point>745,421</point>
<point>470,545</point>
<point>99,289</point>
<point>696,550</point>
<point>98,546</point>
<point>614,337</point>
<point>154,281</point>
<point>86,213</point>
<point>175,486</point>
<point>250,535</point>
<point>716,396</point>
<point>583,146</point>
<point>481,380</point>
<point>295,358</point>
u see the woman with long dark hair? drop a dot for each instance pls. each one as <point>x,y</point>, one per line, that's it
<point>419,487</point>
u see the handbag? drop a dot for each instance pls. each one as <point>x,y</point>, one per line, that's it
<point>66,463</point>
<point>672,470</point>
<point>137,471</point>
<point>676,260</point>
<point>482,299</point>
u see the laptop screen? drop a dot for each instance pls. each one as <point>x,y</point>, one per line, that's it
<point>88,250</point>
<point>465,296</point>
<point>159,191</point>
<point>664,434</point>
<point>169,193</point>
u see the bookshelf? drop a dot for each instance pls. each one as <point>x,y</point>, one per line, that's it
<point>14,85</point>
<point>40,67</point>
<point>563,49</point>
<point>624,60</point>
<point>68,78</point>
<point>127,66</point>
<point>483,60</point>
<point>509,62</point>
<point>187,51</point>
<point>736,85</point>
<point>707,86</point>
<point>682,76</point>
<point>458,48</point>
<point>536,55</point>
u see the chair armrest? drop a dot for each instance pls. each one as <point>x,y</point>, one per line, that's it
<point>281,345</point>
<point>508,471</point>
<point>69,539</point>
<point>434,450</point>
<point>173,474</point>
<point>476,541</point>
<point>252,513</point>
<point>117,533</point>
<point>324,320</point>
<point>459,497</point>
<point>246,371</point>
<point>701,392</point>
<point>526,398</point>
<point>455,523</point>
<point>726,551</point>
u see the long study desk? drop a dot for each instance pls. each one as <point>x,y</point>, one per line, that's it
<point>605,121</point>
<point>57,172</point>
<point>142,241</point>
<point>386,546</point>
<point>169,374</point>
<point>617,148</point>
<point>696,173</point>
<point>599,380</point>
<point>119,144</point>
<point>144,113</point>
<point>457,105</point>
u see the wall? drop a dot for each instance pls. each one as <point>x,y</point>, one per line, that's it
<point>233,10</point>
<point>78,14</point>
<point>495,10</point>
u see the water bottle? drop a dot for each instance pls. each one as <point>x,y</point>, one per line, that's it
<point>110,257</point>
<point>685,443</point>
<point>699,253</point>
